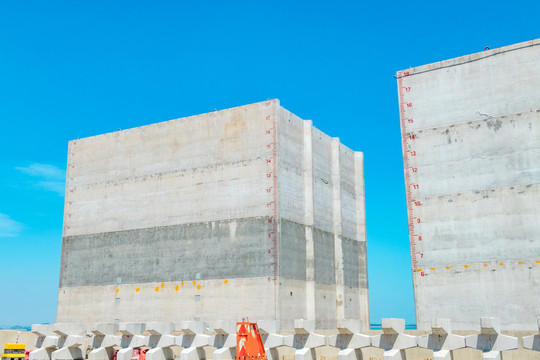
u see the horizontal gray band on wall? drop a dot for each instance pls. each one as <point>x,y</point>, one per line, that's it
<point>225,249</point>
<point>213,250</point>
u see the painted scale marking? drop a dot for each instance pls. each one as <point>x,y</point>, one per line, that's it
<point>409,154</point>
<point>271,163</point>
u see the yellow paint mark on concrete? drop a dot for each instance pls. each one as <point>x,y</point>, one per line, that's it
<point>194,282</point>
<point>432,268</point>
<point>466,266</point>
<point>521,262</point>
<point>177,287</point>
<point>226,281</point>
<point>157,288</point>
<point>182,283</point>
<point>538,261</point>
<point>448,267</point>
<point>117,291</point>
<point>419,270</point>
<point>486,265</point>
<point>501,264</point>
<point>198,287</point>
<point>137,290</point>
<point>162,284</point>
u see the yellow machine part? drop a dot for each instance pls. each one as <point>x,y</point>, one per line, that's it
<point>13,351</point>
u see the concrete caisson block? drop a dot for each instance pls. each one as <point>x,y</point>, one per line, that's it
<point>253,182</point>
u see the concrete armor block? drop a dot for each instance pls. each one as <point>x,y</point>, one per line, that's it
<point>490,341</point>
<point>305,340</point>
<point>349,341</point>
<point>103,340</point>
<point>131,339</point>
<point>194,340</point>
<point>160,340</point>
<point>225,340</point>
<point>532,342</point>
<point>441,340</point>
<point>393,340</point>
<point>47,341</point>
<point>270,337</point>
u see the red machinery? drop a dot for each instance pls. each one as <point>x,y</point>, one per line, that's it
<point>249,345</point>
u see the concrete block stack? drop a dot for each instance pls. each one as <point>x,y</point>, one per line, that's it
<point>196,340</point>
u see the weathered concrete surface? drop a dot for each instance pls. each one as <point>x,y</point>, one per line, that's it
<point>471,145</point>
<point>261,210</point>
<point>169,253</point>
<point>330,352</point>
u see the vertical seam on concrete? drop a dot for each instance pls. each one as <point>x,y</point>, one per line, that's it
<point>361,227</point>
<point>338,250</point>
<point>360,196</point>
<point>308,220</point>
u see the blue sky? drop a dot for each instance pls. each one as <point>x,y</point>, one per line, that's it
<point>73,69</point>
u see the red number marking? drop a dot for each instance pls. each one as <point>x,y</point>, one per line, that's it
<point>419,238</point>
<point>408,105</point>
<point>414,169</point>
<point>413,153</point>
<point>407,89</point>
<point>415,186</point>
<point>418,221</point>
<point>410,121</point>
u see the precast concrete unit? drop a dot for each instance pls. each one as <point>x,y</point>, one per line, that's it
<point>249,211</point>
<point>471,152</point>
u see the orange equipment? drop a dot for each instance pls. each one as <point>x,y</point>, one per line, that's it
<point>249,345</point>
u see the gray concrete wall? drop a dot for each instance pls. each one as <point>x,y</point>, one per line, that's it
<point>217,216</point>
<point>471,146</point>
<point>320,187</point>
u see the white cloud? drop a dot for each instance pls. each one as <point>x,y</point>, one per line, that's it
<point>9,227</point>
<point>47,177</point>
<point>45,171</point>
